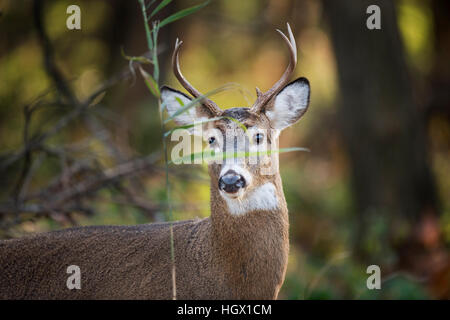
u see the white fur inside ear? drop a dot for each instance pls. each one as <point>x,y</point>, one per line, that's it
<point>289,105</point>
<point>263,198</point>
<point>173,101</point>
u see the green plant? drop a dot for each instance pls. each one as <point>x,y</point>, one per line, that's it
<point>152,82</point>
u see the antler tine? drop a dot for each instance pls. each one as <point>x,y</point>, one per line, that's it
<point>292,41</point>
<point>215,110</point>
<point>177,71</point>
<point>263,98</point>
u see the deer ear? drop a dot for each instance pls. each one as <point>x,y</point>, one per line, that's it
<point>174,100</point>
<point>290,104</point>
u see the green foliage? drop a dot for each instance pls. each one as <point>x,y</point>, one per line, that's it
<point>183,13</point>
<point>196,101</point>
<point>211,155</point>
<point>161,5</point>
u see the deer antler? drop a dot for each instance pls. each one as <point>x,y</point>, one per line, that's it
<point>210,105</point>
<point>263,98</point>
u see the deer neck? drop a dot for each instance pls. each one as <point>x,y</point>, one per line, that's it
<point>253,245</point>
<point>262,209</point>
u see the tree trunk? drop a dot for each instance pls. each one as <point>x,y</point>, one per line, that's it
<point>384,133</point>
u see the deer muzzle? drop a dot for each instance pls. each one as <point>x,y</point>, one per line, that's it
<point>231,182</point>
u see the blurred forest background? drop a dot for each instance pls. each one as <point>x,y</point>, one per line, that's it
<point>80,136</point>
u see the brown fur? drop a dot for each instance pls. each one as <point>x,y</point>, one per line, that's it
<point>219,257</point>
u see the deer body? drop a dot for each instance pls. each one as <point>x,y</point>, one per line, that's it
<point>216,258</point>
<point>239,252</point>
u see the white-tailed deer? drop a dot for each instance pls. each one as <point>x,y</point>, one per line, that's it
<point>239,252</point>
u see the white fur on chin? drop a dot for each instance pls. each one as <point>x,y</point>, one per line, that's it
<point>263,198</point>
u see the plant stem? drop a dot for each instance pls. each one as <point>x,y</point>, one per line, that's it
<point>152,45</point>
<point>147,29</point>
<point>169,204</point>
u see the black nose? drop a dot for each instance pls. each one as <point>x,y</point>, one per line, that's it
<point>231,182</point>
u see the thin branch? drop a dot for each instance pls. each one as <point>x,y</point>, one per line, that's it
<point>47,48</point>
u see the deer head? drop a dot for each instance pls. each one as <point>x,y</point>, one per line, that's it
<point>274,110</point>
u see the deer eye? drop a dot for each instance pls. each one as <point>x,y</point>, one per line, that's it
<point>211,140</point>
<point>259,138</point>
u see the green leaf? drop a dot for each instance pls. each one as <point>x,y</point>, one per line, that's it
<point>150,82</point>
<point>140,59</point>
<point>159,7</point>
<point>149,4</point>
<point>155,31</point>
<point>211,155</point>
<point>179,101</point>
<point>196,101</point>
<point>97,99</point>
<point>238,122</point>
<point>183,13</point>
<point>188,126</point>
